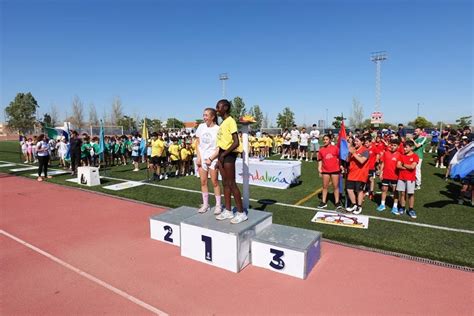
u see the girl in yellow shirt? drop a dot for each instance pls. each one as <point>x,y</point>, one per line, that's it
<point>229,147</point>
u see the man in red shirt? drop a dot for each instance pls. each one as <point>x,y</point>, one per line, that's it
<point>329,168</point>
<point>358,174</point>
<point>389,175</point>
<point>406,178</point>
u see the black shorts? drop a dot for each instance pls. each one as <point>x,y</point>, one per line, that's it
<point>355,185</point>
<point>468,180</point>
<point>371,173</point>
<point>304,148</point>
<point>389,182</point>
<point>441,153</point>
<point>174,162</point>
<point>286,146</point>
<point>294,145</point>
<point>434,143</point>
<point>230,158</point>
<point>330,173</point>
<point>136,158</point>
<point>157,161</point>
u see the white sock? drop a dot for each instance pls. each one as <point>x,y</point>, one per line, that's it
<point>205,198</point>
<point>395,204</point>
<point>382,202</point>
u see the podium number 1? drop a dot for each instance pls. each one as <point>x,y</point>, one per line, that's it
<point>277,262</point>
<point>207,247</point>
<point>169,231</point>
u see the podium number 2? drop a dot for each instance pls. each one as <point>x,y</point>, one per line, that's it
<point>169,231</point>
<point>277,262</point>
<point>207,247</point>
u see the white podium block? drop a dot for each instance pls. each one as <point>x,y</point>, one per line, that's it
<point>88,176</point>
<point>288,250</point>
<point>220,243</point>
<point>165,227</point>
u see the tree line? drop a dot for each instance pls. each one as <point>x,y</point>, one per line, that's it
<point>22,110</point>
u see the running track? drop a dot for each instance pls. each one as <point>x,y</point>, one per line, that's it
<point>107,264</point>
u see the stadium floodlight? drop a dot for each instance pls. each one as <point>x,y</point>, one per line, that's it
<point>378,58</point>
<point>223,77</point>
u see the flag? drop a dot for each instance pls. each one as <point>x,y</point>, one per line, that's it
<point>342,142</point>
<point>101,141</point>
<point>462,163</point>
<point>343,150</point>
<point>21,136</point>
<point>54,133</point>
<point>68,152</point>
<point>144,138</point>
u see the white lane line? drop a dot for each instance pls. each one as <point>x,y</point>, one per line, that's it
<point>314,209</point>
<point>87,275</point>
<point>457,230</point>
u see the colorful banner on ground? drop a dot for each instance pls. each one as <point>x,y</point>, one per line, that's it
<point>345,220</point>
<point>267,173</point>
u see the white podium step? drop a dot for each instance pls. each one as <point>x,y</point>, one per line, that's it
<point>288,250</point>
<point>165,227</point>
<point>220,243</point>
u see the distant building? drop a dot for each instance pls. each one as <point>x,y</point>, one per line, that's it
<point>321,124</point>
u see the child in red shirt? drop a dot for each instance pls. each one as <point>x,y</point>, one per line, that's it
<point>329,169</point>
<point>406,178</point>
<point>358,175</point>
<point>389,175</point>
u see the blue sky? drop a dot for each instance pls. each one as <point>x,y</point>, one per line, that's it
<point>163,58</point>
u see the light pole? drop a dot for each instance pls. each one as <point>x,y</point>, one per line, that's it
<point>326,123</point>
<point>223,77</point>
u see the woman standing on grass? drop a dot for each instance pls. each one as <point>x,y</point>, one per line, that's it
<point>207,154</point>
<point>229,148</point>
<point>42,150</point>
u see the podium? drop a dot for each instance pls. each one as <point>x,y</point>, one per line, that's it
<point>288,250</point>
<point>282,249</point>
<point>88,176</point>
<point>165,227</point>
<point>220,243</point>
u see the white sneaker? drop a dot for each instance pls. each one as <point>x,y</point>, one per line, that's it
<point>161,177</point>
<point>226,214</point>
<point>282,157</point>
<point>307,159</point>
<point>204,209</point>
<point>437,165</point>
<point>239,218</point>
<point>357,211</point>
<point>136,170</point>
<point>25,161</point>
<point>217,210</point>
<point>176,173</point>
<point>351,209</point>
<point>166,177</point>
<point>187,174</point>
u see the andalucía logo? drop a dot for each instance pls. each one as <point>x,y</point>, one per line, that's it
<point>266,177</point>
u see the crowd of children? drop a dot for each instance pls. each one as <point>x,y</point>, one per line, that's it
<point>391,156</point>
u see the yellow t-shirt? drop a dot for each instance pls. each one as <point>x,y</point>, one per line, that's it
<point>224,135</point>
<point>157,147</point>
<point>269,142</point>
<point>185,153</point>
<point>174,152</point>
<point>262,141</point>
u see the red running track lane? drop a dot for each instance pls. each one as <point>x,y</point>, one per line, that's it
<point>109,239</point>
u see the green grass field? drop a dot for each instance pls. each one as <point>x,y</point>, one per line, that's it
<point>435,205</point>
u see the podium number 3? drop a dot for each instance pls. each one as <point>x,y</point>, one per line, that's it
<point>169,231</point>
<point>207,247</point>
<point>277,262</point>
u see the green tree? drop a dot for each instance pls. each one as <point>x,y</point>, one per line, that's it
<point>174,123</point>
<point>21,112</point>
<point>238,108</point>
<point>464,121</point>
<point>199,121</point>
<point>337,121</point>
<point>420,122</point>
<point>367,124</point>
<point>156,124</point>
<point>128,123</point>
<point>258,115</point>
<point>47,121</point>
<point>286,119</point>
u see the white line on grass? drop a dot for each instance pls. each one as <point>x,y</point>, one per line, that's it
<point>314,209</point>
<point>86,275</point>
<point>457,230</point>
